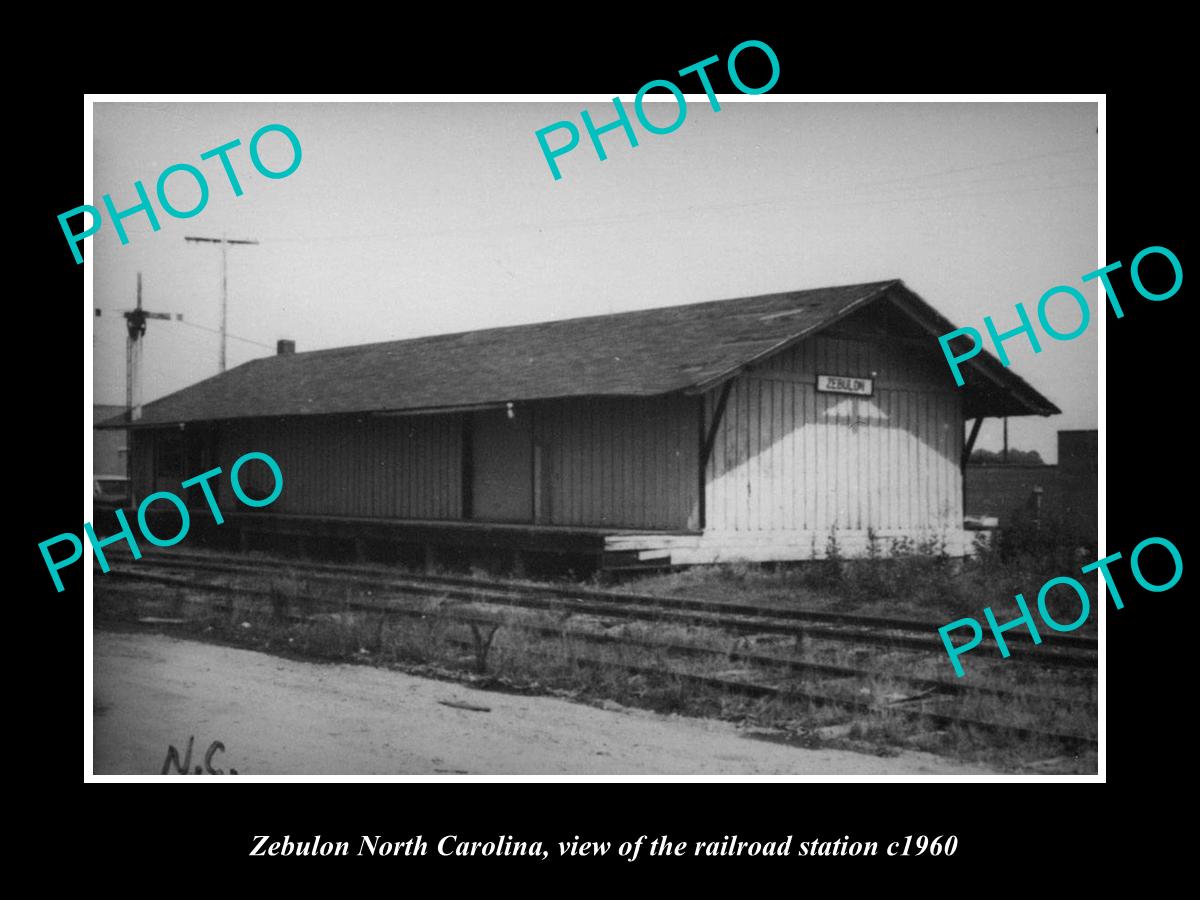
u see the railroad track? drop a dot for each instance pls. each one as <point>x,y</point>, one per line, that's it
<point>391,606</point>
<point>890,633</point>
<point>369,573</point>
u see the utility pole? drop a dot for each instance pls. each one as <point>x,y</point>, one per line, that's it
<point>1005,457</point>
<point>135,325</point>
<point>224,242</point>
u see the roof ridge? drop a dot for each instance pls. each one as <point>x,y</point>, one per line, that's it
<point>876,286</point>
<point>637,353</point>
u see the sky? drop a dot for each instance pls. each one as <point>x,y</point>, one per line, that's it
<point>410,219</point>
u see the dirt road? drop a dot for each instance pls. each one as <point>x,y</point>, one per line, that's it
<point>282,717</point>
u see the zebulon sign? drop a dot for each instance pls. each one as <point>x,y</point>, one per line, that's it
<point>841,384</point>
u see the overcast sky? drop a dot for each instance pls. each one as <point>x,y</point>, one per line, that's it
<point>413,219</point>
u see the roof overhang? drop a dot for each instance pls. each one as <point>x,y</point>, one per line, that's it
<point>990,388</point>
<point>681,350</point>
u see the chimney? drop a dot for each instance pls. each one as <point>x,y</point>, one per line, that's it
<point>284,348</point>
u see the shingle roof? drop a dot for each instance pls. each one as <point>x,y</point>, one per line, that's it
<point>108,415</point>
<point>641,353</point>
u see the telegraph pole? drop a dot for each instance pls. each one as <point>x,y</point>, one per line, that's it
<point>224,242</point>
<point>135,326</point>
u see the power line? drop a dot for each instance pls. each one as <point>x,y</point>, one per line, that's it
<point>722,207</point>
<point>684,212</point>
<point>227,334</point>
<point>235,337</point>
<point>987,165</point>
<point>936,197</point>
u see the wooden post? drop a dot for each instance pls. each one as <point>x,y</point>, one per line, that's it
<point>966,456</point>
<point>467,449</point>
<point>224,298</point>
<point>225,243</point>
<point>708,438</point>
<point>701,500</point>
<point>538,496</point>
<point>970,445</point>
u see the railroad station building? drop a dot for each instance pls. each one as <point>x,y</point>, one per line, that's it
<point>737,430</point>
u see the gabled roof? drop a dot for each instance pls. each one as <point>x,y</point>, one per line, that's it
<point>634,354</point>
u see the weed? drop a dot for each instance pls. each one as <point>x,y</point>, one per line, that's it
<point>482,645</point>
<point>551,650</point>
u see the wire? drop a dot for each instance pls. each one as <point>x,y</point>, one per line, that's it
<point>227,334</point>
<point>202,328</point>
<point>722,207</point>
<point>685,211</point>
<point>989,165</point>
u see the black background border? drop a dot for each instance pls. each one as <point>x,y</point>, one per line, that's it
<point>1147,405</point>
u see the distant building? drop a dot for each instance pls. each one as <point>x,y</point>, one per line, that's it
<point>1062,495</point>
<point>109,446</point>
<point>745,429</point>
<point>1078,469</point>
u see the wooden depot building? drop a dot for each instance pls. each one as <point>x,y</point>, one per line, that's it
<point>735,430</point>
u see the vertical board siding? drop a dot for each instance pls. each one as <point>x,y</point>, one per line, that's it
<point>622,463</point>
<point>790,459</point>
<point>785,459</point>
<point>389,467</point>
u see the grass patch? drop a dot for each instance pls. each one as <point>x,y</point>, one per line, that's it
<point>902,578</point>
<point>538,651</point>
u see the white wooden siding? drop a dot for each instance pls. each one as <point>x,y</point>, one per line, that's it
<point>790,459</point>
